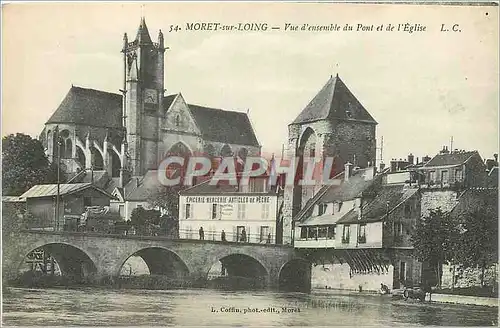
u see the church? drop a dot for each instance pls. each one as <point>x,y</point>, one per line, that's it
<point>128,134</point>
<point>117,140</point>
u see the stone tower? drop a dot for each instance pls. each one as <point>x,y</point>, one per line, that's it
<point>143,94</point>
<point>333,124</point>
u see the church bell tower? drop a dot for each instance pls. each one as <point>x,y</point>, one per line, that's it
<point>143,90</point>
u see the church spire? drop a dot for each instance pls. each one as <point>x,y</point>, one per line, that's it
<point>143,36</point>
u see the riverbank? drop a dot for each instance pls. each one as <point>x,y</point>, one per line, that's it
<point>32,279</point>
<point>433,298</point>
<point>467,300</point>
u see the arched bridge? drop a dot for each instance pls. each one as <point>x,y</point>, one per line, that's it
<point>101,255</point>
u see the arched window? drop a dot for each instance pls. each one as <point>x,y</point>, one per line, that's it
<point>226,151</point>
<point>97,162</point>
<point>80,156</point>
<point>243,153</point>
<point>68,149</point>
<point>177,120</point>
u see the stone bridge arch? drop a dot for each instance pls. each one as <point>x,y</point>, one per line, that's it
<point>159,260</point>
<point>73,260</point>
<point>295,276</point>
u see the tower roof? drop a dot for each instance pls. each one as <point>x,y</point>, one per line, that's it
<point>334,101</point>
<point>143,36</point>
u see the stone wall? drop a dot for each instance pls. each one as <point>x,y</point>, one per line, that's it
<point>336,276</point>
<point>434,198</point>
<point>469,277</point>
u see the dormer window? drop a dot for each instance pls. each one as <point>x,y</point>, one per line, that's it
<point>339,206</point>
<point>321,209</point>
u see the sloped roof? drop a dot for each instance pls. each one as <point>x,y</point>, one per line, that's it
<point>168,100</point>
<point>220,188</point>
<point>224,126</point>
<point>347,190</point>
<point>50,190</point>
<point>388,197</point>
<point>89,107</point>
<point>474,199</point>
<point>454,158</point>
<point>334,101</point>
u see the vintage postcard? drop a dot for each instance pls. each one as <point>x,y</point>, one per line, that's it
<point>249,164</point>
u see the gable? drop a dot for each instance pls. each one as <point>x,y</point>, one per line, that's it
<point>178,117</point>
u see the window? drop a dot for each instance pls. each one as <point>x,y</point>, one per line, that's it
<point>459,175</point>
<point>214,211</point>
<point>339,206</point>
<point>121,210</point>
<point>321,209</point>
<point>402,271</point>
<point>303,233</point>
<point>177,120</point>
<point>265,211</point>
<point>346,234</point>
<point>241,234</point>
<point>444,176</point>
<point>87,201</point>
<point>398,229</point>
<point>242,211</point>
<point>407,210</point>
<point>362,234</point>
<point>322,232</point>
<point>187,212</point>
<point>264,233</point>
<point>432,176</point>
<point>331,232</point>
<point>139,206</point>
<point>256,185</point>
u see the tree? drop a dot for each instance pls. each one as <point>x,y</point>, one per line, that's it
<point>24,164</point>
<point>166,198</point>
<point>478,240</point>
<point>145,222</point>
<point>434,240</point>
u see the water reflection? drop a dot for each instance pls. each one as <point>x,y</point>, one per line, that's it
<point>203,307</point>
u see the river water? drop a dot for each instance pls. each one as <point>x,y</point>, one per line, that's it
<point>203,307</point>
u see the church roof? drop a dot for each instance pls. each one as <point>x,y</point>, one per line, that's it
<point>94,108</point>
<point>89,107</point>
<point>334,101</point>
<point>224,126</point>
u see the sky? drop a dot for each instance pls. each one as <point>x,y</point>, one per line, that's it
<point>421,87</point>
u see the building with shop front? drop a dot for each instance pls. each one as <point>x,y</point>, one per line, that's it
<point>248,214</point>
<point>366,222</point>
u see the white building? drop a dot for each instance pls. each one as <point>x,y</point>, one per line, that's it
<point>245,213</point>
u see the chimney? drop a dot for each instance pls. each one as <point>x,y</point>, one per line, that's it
<point>410,159</point>
<point>394,165</point>
<point>417,160</point>
<point>496,157</point>
<point>347,171</point>
<point>382,167</point>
